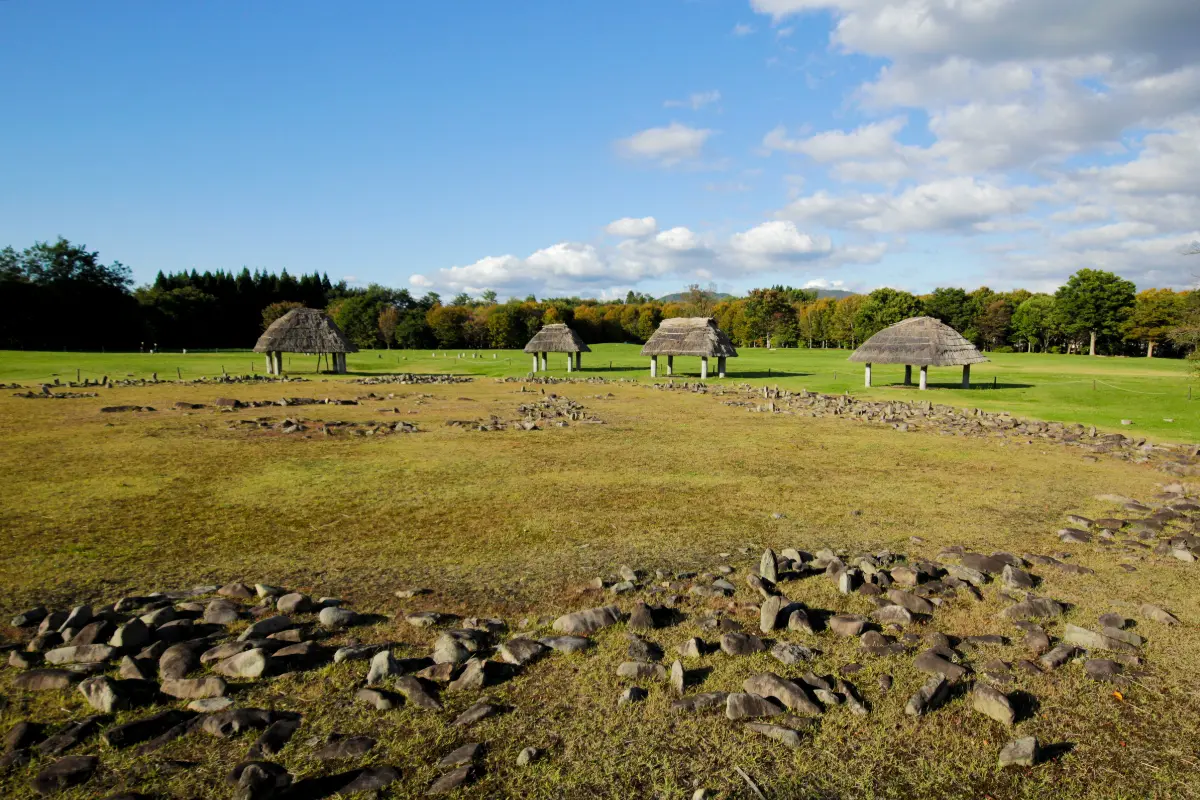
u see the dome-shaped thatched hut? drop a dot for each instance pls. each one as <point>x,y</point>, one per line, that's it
<point>923,341</point>
<point>689,336</point>
<point>556,338</point>
<point>304,330</point>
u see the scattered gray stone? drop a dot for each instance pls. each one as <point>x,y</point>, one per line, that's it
<point>785,736</point>
<point>742,705</point>
<point>415,692</point>
<point>992,703</point>
<point>798,621</point>
<point>295,603</point>
<point>741,644</point>
<point>692,648</point>
<point>1015,578</point>
<point>466,754</point>
<point>383,665</point>
<point>477,712</point>
<point>195,688</point>
<point>641,618</point>
<point>931,662</point>
<point>641,670</point>
<point>454,779</point>
<point>677,677</point>
<point>221,612</point>
<point>132,636</point>
<point>587,621</point>
<point>1033,608</point>
<point>1103,669</point>
<point>65,773</point>
<point>567,644</point>
<point>210,705</point>
<point>788,653</point>
<point>265,627</point>
<point>931,695</point>
<point>1059,655</point>
<point>30,617</point>
<point>768,617</point>
<point>793,697</point>
<point>337,618</point>
<point>80,654</point>
<point>1156,614</point>
<point>1019,752</point>
<point>250,664</point>
<point>349,747</point>
<point>634,694</point>
<point>45,680</point>
<point>892,615</point>
<point>700,702</point>
<point>910,601</point>
<point>768,566</point>
<point>522,651</point>
<point>1091,640</point>
<point>527,756</point>
<point>847,624</point>
<point>272,741</point>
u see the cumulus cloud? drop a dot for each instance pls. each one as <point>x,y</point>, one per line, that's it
<point>668,146</point>
<point>778,239</point>
<point>1070,127</point>
<point>742,29</point>
<point>631,226</point>
<point>695,101</point>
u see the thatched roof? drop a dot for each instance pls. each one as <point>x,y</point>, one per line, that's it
<point>921,341</point>
<point>556,338</point>
<point>304,330</point>
<point>689,336</point>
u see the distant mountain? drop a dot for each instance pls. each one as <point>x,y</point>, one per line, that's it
<point>836,294</point>
<point>680,297</point>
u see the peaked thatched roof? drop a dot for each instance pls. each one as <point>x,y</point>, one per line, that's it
<point>556,338</point>
<point>689,336</point>
<point>304,330</point>
<point>922,341</point>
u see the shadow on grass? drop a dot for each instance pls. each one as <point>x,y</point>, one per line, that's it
<point>979,386</point>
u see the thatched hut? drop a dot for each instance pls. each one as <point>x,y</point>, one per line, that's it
<point>556,338</point>
<point>689,336</point>
<point>923,341</point>
<point>304,330</point>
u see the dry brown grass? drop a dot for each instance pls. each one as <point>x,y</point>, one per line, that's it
<point>513,523</point>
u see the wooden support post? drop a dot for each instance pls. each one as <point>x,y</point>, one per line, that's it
<point>908,374</point>
<point>924,377</point>
<point>966,376</point>
<point>670,365</point>
<point>653,366</point>
<point>703,368</point>
<point>579,361</point>
<point>867,380</point>
<point>720,366</point>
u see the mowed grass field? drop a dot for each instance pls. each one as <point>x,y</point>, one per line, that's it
<point>514,524</point>
<point>1155,394</point>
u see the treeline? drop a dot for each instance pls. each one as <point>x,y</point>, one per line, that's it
<point>60,295</point>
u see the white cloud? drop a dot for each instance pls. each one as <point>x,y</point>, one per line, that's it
<point>631,227</point>
<point>742,29</point>
<point>824,283</point>
<point>670,145</point>
<point>778,239</point>
<point>695,101</point>
<point>875,140</point>
<point>420,281</point>
<point>678,239</point>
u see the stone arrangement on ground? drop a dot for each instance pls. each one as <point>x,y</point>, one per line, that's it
<point>551,410</point>
<point>173,664</point>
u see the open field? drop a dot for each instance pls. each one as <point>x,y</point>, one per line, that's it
<point>515,524</point>
<point>1092,391</point>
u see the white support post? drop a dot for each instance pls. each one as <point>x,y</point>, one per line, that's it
<point>535,362</point>
<point>544,366</point>
<point>670,365</point>
<point>720,366</point>
<point>867,380</point>
<point>924,376</point>
<point>966,376</point>
<point>653,366</point>
<point>570,361</point>
<point>703,368</point>
<point>270,364</point>
<point>908,374</point>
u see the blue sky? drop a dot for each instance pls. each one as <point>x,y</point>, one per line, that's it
<point>474,145</point>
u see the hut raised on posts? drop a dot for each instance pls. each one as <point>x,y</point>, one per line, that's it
<point>556,338</point>
<point>689,336</point>
<point>304,330</point>
<point>923,341</point>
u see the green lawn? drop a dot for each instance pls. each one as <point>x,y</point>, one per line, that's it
<point>1099,391</point>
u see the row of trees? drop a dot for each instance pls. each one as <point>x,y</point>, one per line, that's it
<point>62,296</point>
